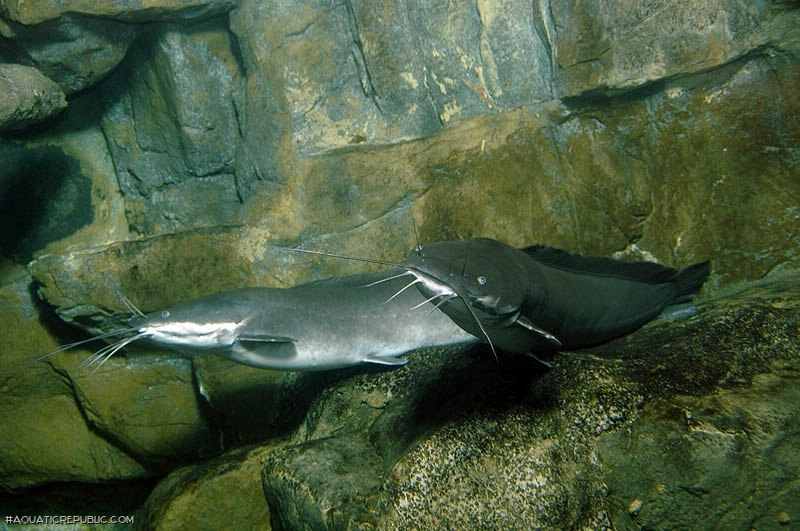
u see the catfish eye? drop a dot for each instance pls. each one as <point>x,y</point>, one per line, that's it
<point>164,314</point>
<point>481,280</point>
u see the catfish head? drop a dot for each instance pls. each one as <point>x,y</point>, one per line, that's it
<point>487,275</point>
<point>483,285</point>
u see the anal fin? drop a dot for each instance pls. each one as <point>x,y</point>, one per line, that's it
<point>528,325</point>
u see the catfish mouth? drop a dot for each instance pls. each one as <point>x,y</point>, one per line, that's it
<point>155,328</point>
<point>440,292</point>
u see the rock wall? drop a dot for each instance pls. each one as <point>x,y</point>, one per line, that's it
<point>221,113</point>
<point>176,148</point>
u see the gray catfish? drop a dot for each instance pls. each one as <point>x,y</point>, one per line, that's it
<point>321,325</point>
<point>538,298</point>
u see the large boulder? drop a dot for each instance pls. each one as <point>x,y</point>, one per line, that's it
<point>29,97</point>
<point>210,496</point>
<point>32,13</point>
<point>75,51</point>
<point>46,439</point>
<point>174,135</point>
<point>77,44</point>
<point>727,459</point>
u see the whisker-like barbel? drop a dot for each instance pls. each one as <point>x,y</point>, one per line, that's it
<point>75,344</point>
<point>438,304</point>
<point>415,281</point>
<point>426,301</point>
<point>107,352</point>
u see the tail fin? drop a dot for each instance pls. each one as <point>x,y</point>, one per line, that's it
<point>689,281</point>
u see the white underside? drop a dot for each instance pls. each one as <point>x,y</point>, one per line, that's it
<point>193,335</point>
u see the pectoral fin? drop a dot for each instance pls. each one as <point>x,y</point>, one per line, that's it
<point>264,338</point>
<point>528,325</point>
<point>390,361</point>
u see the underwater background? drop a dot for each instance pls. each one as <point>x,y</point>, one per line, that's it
<point>171,149</point>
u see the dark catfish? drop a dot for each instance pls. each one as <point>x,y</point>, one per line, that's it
<point>539,298</point>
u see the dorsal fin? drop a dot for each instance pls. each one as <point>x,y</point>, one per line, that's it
<point>601,266</point>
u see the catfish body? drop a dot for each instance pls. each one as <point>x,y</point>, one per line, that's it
<point>316,326</point>
<point>538,298</point>
<point>329,324</point>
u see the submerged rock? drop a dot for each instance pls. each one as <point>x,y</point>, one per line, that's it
<point>210,496</point>
<point>723,460</point>
<point>31,13</point>
<point>173,135</point>
<point>366,73</point>
<point>329,128</point>
<point>45,437</point>
<point>146,405</point>
<point>613,48</point>
<point>77,44</point>
<point>75,51</point>
<point>29,97</point>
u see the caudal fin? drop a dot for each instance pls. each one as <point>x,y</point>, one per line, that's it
<point>689,281</point>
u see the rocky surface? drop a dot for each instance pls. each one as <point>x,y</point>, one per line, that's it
<point>75,51</point>
<point>28,97</point>
<point>614,48</point>
<point>174,134</point>
<point>211,495</point>
<point>55,190</point>
<point>731,462</point>
<point>578,90</point>
<point>32,13</point>
<point>78,43</point>
<point>203,138</point>
<point>47,439</point>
